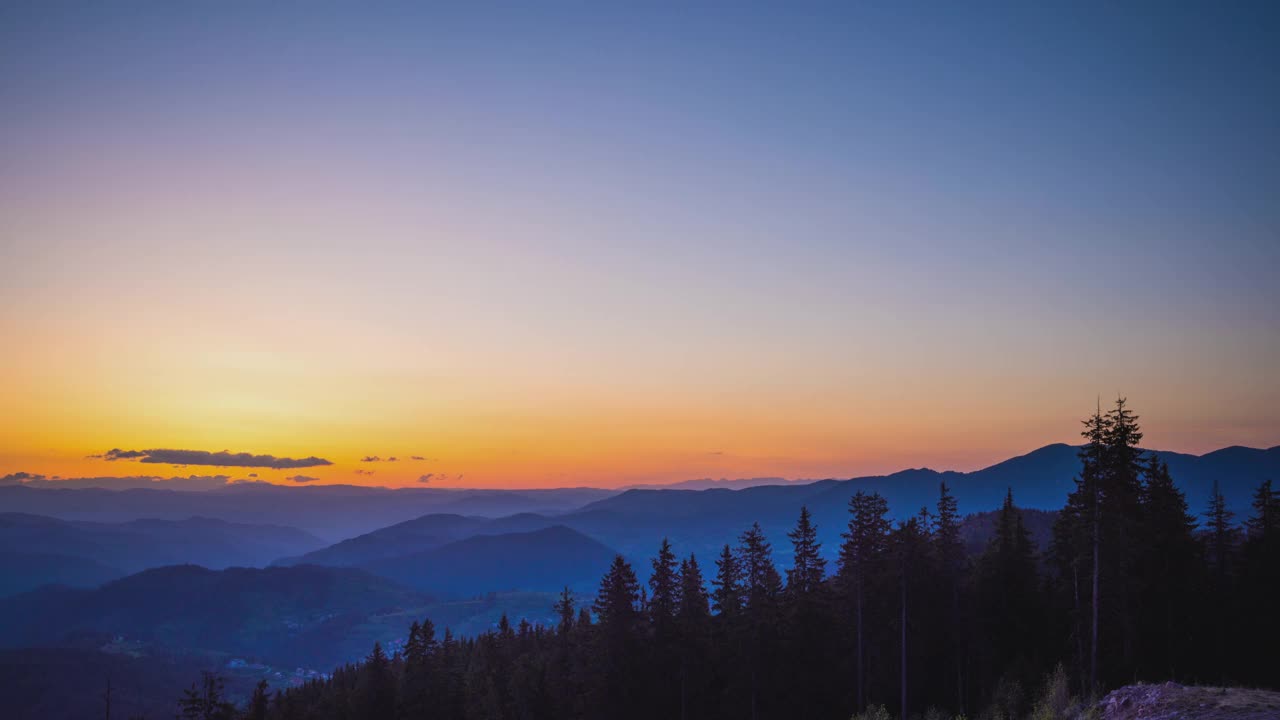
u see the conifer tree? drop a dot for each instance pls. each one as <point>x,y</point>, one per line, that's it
<point>415,676</point>
<point>1007,595</point>
<point>1259,588</point>
<point>762,586</point>
<point>693,619</point>
<point>909,545</point>
<point>258,705</point>
<point>1222,534</point>
<point>564,612</point>
<point>949,551</point>
<point>808,566</point>
<point>1264,524</point>
<point>1092,474</point>
<point>618,636</point>
<point>663,587</point>
<point>1221,541</point>
<point>377,690</point>
<point>1095,532</point>
<point>1169,556</point>
<point>1121,517</point>
<point>762,582</point>
<point>727,597</point>
<point>206,700</point>
<point>864,548</point>
<point>692,609</point>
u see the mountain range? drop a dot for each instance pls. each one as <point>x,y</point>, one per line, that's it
<point>37,550</point>
<point>331,512</point>
<point>367,526</point>
<point>542,560</point>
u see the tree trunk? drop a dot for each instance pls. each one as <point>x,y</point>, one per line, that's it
<point>684,669</point>
<point>1097,558</point>
<point>1079,631</point>
<point>861,706</point>
<point>957,644</point>
<point>903,684</point>
<point>753,692</point>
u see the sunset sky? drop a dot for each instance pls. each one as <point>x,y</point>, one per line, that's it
<point>581,246</point>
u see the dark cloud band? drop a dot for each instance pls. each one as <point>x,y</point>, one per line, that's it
<point>165,456</point>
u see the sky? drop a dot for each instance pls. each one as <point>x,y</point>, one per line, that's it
<point>603,244</point>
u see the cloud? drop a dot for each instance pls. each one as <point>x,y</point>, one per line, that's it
<point>424,479</point>
<point>302,478</point>
<point>370,458</point>
<point>253,474</point>
<point>163,456</point>
<point>20,477</point>
<point>118,454</point>
<point>360,471</point>
<point>416,457</point>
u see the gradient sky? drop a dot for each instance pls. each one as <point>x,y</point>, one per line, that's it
<point>603,246</point>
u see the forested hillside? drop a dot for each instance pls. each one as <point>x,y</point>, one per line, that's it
<point>1132,585</point>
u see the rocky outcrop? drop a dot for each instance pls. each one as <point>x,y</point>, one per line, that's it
<point>1171,701</point>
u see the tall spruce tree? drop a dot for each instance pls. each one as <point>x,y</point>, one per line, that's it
<point>415,678</point>
<point>692,609</point>
<point>1167,570</point>
<point>1222,534</point>
<point>693,618</point>
<point>618,637</point>
<point>909,546</point>
<point>617,602</point>
<point>1264,524</point>
<point>1094,531</point>
<point>663,592</point>
<point>760,576</point>
<point>1220,550</point>
<point>564,608</point>
<point>377,686</point>
<point>258,703</point>
<point>1121,517</point>
<point>727,597</point>
<point>665,652</point>
<point>948,548</point>
<point>1259,589</point>
<point>762,587</point>
<point>808,566</point>
<point>1008,603</point>
<point>861,554</point>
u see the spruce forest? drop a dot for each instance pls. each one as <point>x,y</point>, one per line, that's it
<point>1136,586</point>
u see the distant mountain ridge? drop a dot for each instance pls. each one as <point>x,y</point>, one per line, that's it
<point>709,483</point>
<point>626,520</point>
<point>543,560</point>
<point>333,512</point>
<point>411,536</point>
<point>81,553</point>
<point>1041,479</point>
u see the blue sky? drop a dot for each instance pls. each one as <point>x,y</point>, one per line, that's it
<point>789,224</point>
